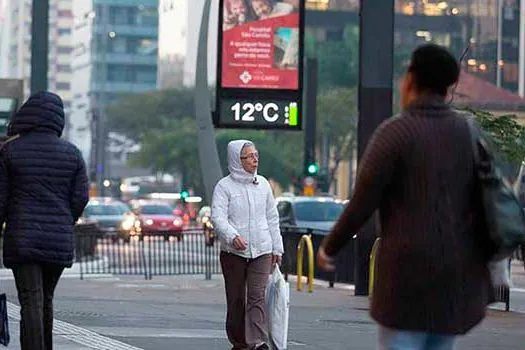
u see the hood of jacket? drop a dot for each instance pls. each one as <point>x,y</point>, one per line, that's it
<point>234,162</point>
<point>42,112</point>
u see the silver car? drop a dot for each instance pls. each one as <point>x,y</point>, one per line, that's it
<point>318,213</point>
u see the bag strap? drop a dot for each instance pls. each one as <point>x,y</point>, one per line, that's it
<point>12,138</point>
<point>475,138</point>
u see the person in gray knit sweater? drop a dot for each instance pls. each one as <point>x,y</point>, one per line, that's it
<point>432,282</point>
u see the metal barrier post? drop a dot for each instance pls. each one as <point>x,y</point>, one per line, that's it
<point>305,239</point>
<point>209,242</point>
<point>207,263</point>
<point>372,271</point>
<point>81,257</point>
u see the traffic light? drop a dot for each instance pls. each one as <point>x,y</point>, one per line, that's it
<point>184,194</point>
<point>312,169</point>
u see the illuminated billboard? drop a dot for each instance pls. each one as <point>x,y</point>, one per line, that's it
<point>259,80</point>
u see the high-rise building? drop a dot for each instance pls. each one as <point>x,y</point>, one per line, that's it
<point>179,25</point>
<point>4,42</point>
<point>115,54</point>
<point>488,28</point>
<point>15,47</point>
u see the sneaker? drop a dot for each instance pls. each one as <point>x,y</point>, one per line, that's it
<point>263,346</point>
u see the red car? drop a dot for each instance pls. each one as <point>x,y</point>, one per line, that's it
<point>158,219</point>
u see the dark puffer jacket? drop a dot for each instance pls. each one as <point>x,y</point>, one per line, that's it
<point>43,185</point>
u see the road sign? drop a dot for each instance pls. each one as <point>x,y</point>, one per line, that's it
<point>260,59</point>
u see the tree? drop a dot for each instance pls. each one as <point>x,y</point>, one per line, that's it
<point>337,118</point>
<point>338,60</point>
<point>508,136</point>
<point>172,149</point>
<point>135,114</point>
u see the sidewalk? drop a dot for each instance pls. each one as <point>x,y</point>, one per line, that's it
<point>187,312</point>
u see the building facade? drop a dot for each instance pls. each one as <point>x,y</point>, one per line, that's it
<point>488,28</point>
<point>15,47</point>
<point>115,54</point>
<point>179,25</point>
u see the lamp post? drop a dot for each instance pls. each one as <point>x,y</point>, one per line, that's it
<point>39,45</point>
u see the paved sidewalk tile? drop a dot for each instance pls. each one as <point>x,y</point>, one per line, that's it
<point>66,336</point>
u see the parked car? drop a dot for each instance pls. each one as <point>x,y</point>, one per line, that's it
<point>113,218</point>
<point>318,213</point>
<point>158,219</point>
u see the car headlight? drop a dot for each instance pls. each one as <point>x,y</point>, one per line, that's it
<point>149,222</point>
<point>177,222</point>
<point>128,223</point>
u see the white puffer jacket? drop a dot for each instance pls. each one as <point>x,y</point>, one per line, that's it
<point>243,204</point>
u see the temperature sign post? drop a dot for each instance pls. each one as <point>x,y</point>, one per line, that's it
<point>260,60</point>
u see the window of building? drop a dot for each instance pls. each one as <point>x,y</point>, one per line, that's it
<point>64,31</point>
<point>65,13</point>
<point>146,47</point>
<point>147,16</point>
<point>64,50</point>
<point>63,86</point>
<point>119,15</point>
<point>119,74</point>
<point>65,68</point>
<point>118,44</point>
<point>146,75</point>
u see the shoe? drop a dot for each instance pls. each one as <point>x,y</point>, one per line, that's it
<point>263,346</point>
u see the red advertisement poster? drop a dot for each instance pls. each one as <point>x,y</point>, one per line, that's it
<point>260,44</point>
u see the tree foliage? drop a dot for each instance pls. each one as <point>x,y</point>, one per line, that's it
<point>137,114</point>
<point>337,119</point>
<point>506,133</point>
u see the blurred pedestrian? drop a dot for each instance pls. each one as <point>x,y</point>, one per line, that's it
<point>432,281</point>
<point>43,191</point>
<point>245,216</point>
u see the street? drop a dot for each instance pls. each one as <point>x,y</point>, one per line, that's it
<point>177,312</point>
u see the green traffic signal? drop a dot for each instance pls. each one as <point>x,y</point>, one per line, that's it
<point>312,169</point>
<point>184,194</point>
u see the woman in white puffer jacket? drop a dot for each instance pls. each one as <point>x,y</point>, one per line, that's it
<point>245,217</point>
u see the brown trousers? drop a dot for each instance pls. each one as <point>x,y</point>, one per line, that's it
<point>245,282</point>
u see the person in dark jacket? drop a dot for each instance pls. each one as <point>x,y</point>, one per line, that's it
<point>432,282</point>
<point>43,191</point>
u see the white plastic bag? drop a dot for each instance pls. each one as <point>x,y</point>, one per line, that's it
<point>500,273</point>
<point>277,309</point>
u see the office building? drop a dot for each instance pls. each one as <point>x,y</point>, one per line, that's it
<point>115,54</point>
<point>179,25</point>
<point>15,46</point>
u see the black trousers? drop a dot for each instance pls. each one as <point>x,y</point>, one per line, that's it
<point>36,285</point>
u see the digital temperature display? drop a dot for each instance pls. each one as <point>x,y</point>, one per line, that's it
<point>260,63</point>
<point>259,114</point>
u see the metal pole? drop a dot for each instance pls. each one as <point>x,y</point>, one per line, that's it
<point>376,47</point>
<point>522,50</point>
<point>39,45</point>
<point>101,103</point>
<point>208,155</point>
<point>499,44</point>
<point>311,113</point>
